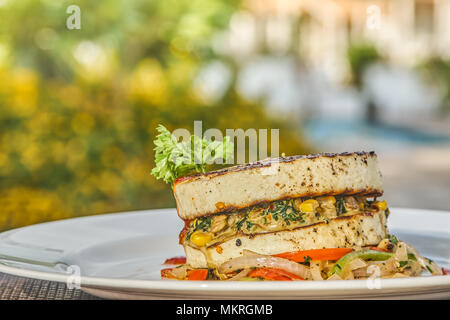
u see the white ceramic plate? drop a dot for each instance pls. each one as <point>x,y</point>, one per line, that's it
<point>120,255</point>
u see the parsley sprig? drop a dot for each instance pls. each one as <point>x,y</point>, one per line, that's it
<point>175,159</point>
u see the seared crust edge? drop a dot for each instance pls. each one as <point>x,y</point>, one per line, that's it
<point>269,162</point>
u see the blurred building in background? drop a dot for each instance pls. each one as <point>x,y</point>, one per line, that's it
<point>356,75</point>
<point>301,55</point>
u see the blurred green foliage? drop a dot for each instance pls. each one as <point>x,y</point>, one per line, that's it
<point>360,55</point>
<point>79,108</point>
<point>437,72</point>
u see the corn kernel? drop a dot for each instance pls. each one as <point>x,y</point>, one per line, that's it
<point>200,239</point>
<point>220,205</point>
<point>309,205</point>
<point>382,205</point>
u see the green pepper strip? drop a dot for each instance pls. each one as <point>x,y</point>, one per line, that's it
<point>373,255</point>
<point>249,279</point>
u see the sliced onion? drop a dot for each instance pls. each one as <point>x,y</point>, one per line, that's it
<point>180,272</point>
<point>360,273</point>
<point>399,275</point>
<point>401,253</point>
<point>376,269</point>
<point>240,275</point>
<point>348,276</point>
<point>335,276</point>
<point>415,269</point>
<point>435,269</point>
<point>316,270</point>
<point>356,264</point>
<point>386,268</point>
<point>252,260</point>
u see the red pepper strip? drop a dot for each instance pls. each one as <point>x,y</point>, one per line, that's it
<point>274,274</point>
<point>197,274</point>
<point>175,260</point>
<point>445,271</point>
<point>316,254</point>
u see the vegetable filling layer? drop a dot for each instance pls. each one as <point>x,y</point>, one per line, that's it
<point>390,259</point>
<point>275,216</point>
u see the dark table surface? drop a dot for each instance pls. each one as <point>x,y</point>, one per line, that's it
<point>20,288</point>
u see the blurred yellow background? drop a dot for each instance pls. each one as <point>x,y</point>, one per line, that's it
<point>79,108</point>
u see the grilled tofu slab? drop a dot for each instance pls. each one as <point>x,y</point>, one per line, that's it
<point>274,179</point>
<point>357,230</point>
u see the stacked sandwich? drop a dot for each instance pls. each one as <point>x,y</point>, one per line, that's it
<point>311,217</point>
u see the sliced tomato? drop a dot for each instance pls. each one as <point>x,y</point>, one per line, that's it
<point>175,260</point>
<point>315,254</point>
<point>274,274</point>
<point>445,271</point>
<point>184,232</point>
<point>197,274</point>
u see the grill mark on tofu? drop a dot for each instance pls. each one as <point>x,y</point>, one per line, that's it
<point>269,162</point>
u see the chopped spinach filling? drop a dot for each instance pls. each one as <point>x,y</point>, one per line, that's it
<point>283,214</point>
<point>340,206</point>
<point>202,224</point>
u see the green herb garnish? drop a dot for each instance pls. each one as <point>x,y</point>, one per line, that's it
<point>340,206</point>
<point>241,223</point>
<point>403,263</point>
<point>249,225</point>
<point>284,209</point>
<point>202,224</point>
<point>393,239</point>
<point>211,275</point>
<point>412,257</point>
<point>175,159</point>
